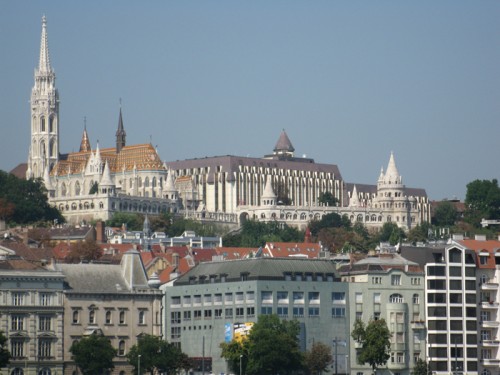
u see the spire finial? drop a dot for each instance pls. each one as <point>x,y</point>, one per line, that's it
<point>44,64</point>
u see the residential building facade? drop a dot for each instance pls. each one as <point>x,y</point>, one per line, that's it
<point>116,301</point>
<point>388,287</point>
<point>31,317</point>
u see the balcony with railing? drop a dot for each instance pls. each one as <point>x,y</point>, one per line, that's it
<point>490,362</point>
<point>489,285</point>
<point>489,305</point>
<point>490,343</point>
<point>490,324</point>
<point>417,324</point>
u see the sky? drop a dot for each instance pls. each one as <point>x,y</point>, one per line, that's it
<point>349,81</point>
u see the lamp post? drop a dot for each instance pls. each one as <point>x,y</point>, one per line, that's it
<point>139,364</point>
<point>241,356</point>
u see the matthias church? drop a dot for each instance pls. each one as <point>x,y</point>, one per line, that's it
<point>94,183</point>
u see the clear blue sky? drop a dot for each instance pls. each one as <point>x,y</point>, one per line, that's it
<point>350,81</point>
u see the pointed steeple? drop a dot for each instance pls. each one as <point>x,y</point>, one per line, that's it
<point>120,134</point>
<point>268,196</point>
<point>381,176</point>
<point>392,175</point>
<point>106,176</point>
<point>354,201</point>
<point>44,64</point>
<point>284,146</point>
<point>44,112</point>
<point>85,143</point>
<point>46,179</point>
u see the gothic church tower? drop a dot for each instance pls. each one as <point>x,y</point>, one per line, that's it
<point>44,147</point>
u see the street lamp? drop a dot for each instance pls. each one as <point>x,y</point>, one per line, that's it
<point>241,356</point>
<point>139,364</point>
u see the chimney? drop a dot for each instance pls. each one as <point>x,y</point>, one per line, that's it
<point>100,232</point>
<point>480,237</point>
<point>175,260</point>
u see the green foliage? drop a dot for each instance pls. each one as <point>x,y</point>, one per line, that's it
<point>25,201</point>
<point>94,189</point>
<point>420,233</point>
<point>375,339</point>
<point>273,347</point>
<point>93,354</point>
<point>157,355</point>
<point>392,233</point>
<point>4,351</point>
<point>133,221</point>
<point>331,220</point>
<point>328,199</point>
<point>482,201</point>
<point>255,233</point>
<point>445,214</point>
<point>282,194</point>
<point>234,352</point>
<point>421,368</point>
<point>318,358</point>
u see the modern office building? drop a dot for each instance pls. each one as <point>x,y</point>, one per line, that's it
<point>215,301</point>
<point>389,287</point>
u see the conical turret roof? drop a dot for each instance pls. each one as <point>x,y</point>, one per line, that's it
<point>392,175</point>
<point>354,201</point>
<point>106,176</point>
<point>284,145</point>
<point>268,189</point>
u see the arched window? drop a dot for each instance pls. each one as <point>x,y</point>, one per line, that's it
<point>17,371</point>
<point>64,190</point>
<point>153,182</point>
<point>486,372</point>
<point>51,124</point>
<point>91,316</point>
<point>389,218</point>
<point>44,371</point>
<point>146,182</point>
<point>359,218</point>
<point>396,298</point>
<point>142,317</point>
<point>42,124</point>
<point>108,317</point>
<point>77,188</point>
<point>52,148</point>
<point>121,348</point>
<point>416,299</point>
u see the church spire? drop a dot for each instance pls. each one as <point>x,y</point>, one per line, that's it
<point>44,112</point>
<point>85,144</point>
<point>120,133</point>
<point>44,64</point>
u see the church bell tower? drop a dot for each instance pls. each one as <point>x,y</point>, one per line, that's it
<point>44,146</point>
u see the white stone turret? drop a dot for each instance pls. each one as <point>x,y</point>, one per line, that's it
<point>268,196</point>
<point>44,147</point>
<point>106,185</point>
<point>169,191</point>
<point>354,201</point>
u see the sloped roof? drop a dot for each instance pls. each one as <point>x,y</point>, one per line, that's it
<point>232,165</point>
<point>93,278</point>
<point>140,156</point>
<point>283,143</point>
<point>259,268</point>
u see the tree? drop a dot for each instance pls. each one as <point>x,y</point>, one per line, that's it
<point>87,250</point>
<point>255,233</point>
<point>328,199</point>
<point>25,201</point>
<point>132,221</point>
<point>318,358</point>
<point>482,201</point>
<point>282,195</point>
<point>421,368</point>
<point>4,352</point>
<point>445,214</point>
<point>273,347</point>
<point>157,355</point>
<point>94,189</point>
<point>93,354</point>
<point>419,233</point>
<point>375,342</point>
<point>235,353</point>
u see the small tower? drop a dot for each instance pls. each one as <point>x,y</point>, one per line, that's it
<point>354,201</point>
<point>120,134</point>
<point>44,147</point>
<point>268,196</point>
<point>85,143</point>
<point>284,147</point>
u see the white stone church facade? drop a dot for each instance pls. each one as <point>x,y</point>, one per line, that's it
<point>96,183</point>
